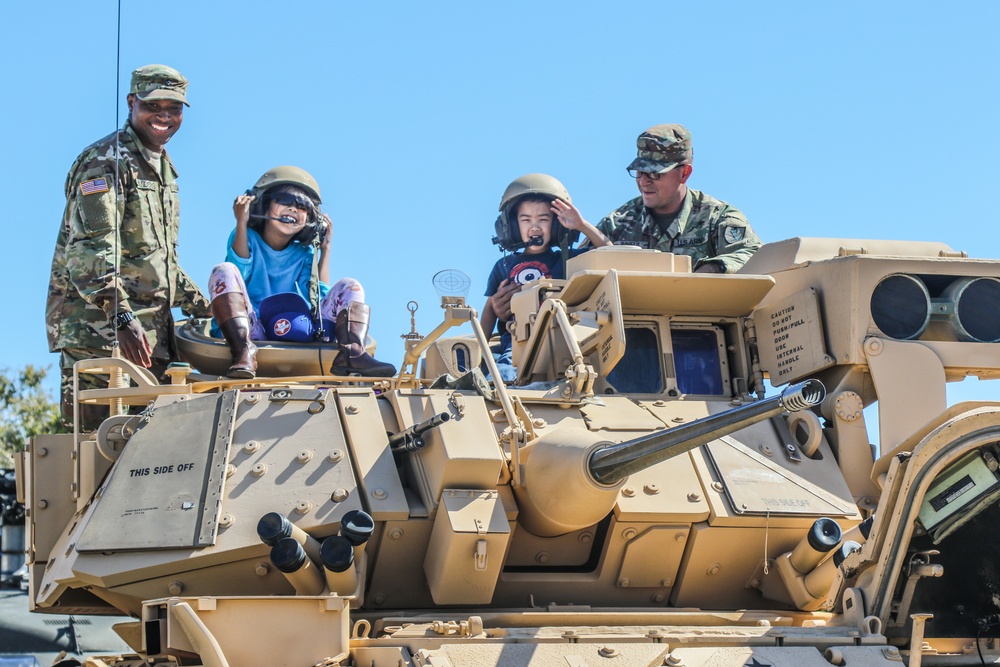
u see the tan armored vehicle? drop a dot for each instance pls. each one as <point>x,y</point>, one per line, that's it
<point>634,499</point>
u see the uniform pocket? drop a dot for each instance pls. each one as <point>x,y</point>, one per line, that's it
<point>96,202</point>
<point>140,229</point>
<point>171,213</point>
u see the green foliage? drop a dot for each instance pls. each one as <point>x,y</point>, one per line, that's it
<point>25,410</point>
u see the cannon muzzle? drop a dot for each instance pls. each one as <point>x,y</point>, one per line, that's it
<point>613,463</point>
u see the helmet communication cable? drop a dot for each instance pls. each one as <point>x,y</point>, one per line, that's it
<point>314,298</point>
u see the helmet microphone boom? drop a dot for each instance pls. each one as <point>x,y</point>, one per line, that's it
<point>287,219</point>
<point>533,241</point>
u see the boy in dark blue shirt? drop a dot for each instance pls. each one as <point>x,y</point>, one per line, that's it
<point>528,209</point>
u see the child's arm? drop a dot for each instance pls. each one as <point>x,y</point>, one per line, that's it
<point>497,306</point>
<point>569,217</point>
<point>324,250</point>
<point>488,320</point>
<point>241,210</point>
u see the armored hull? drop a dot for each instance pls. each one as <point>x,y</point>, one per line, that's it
<point>635,497</point>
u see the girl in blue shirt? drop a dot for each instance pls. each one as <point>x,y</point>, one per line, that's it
<point>281,245</point>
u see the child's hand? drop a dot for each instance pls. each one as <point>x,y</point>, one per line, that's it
<point>241,209</point>
<point>501,300</point>
<point>325,222</point>
<point>567,214</point>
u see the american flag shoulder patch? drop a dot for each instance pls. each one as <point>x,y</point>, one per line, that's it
<point>94,186</point>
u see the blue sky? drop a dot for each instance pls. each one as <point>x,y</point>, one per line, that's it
<point>855,120</point>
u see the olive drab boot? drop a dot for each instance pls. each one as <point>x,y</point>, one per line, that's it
<point>351,330</point>
<point>230,312</point>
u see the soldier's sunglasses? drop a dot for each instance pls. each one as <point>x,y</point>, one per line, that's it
<point>651,175</point>
<point>288,199</point>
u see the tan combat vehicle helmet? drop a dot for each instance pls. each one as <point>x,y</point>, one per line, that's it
<point>508,236</point>
<point>291,176</point>
<point>286,175</point>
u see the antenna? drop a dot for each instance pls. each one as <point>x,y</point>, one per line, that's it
<point>412,306</point>
<point>119,196</point>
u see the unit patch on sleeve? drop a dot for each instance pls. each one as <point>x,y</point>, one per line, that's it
<point>734,234</point>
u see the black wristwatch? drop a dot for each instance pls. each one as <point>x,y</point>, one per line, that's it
<point>121,320</point>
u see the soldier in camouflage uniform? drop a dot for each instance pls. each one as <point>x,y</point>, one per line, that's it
<point>671,217</point>
<point>115,272</point>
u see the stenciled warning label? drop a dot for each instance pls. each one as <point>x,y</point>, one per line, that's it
<point>790,338</point>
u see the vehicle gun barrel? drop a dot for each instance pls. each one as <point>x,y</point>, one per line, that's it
<point>611,464</point>
<point>410,439</point>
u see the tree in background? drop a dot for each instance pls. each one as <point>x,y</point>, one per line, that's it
<point>25,410</point>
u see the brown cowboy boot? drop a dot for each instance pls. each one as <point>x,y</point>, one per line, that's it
<point>352,359</point>
<point>230,312</point>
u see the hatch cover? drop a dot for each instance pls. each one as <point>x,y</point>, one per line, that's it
<point>166,488</point>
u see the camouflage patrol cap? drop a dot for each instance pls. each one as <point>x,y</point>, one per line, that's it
<point>663,147</point>
<point>159,82</point>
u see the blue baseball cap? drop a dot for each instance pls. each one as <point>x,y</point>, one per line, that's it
<point>287,317</point>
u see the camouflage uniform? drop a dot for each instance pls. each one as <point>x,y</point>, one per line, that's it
<point>84,291</point>
<point>707,229</point>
